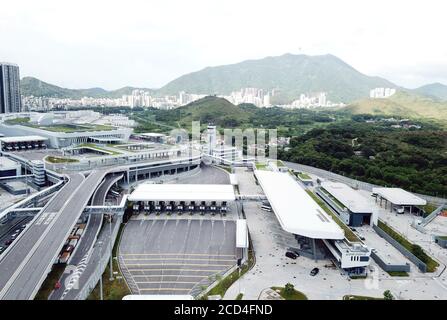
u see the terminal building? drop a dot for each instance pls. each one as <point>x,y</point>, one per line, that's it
<point>318,235</point>
<point>352,208</point>
<point>61,133</point>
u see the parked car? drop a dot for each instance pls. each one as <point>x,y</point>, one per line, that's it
<point>291,255</point>
<point>314,272</point>
<point>7,243</point>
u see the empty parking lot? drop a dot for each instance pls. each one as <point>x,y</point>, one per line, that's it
<point>176,256</point>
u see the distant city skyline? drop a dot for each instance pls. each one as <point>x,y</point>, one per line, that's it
<point>136,45</point>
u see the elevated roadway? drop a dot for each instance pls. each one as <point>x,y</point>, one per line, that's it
<point>26,264</point>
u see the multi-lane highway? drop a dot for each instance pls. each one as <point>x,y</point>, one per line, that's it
<point>25,266</point>
<point>88,239</point>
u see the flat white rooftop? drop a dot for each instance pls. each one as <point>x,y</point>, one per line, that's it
<point>183,192</point>
<point>22,139</point>
<point>6,163</point>
<point>399,196</point>
<point>349,197</point>
<point>295,210</point>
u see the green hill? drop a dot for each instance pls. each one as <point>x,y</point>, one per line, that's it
<point>290,74</point>
<point>34,87</point>
<point>403,104</point>
<point>434,90</point>
<point>210,109</point>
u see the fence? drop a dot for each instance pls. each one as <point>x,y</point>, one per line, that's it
<point>90,284</point>
<point>421,265</point>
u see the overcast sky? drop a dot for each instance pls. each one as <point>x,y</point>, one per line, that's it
<point>147,43</point>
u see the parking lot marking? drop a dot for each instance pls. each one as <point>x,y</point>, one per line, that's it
<point>176,254</point>
<point>174,259</point>
<point>153,282</point>
<point>169,275</point>
<point>178,264</point>
<point>164,289</point>
<point>186,270</point>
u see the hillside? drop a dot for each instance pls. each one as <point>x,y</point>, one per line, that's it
<point>403,104</point>
<point>35,87</point>
<point>434,90</point>
<point>291,74</point>
<point>210,109</point>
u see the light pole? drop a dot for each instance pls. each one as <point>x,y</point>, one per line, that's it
<point>101,293</point>
<point>110,244</point>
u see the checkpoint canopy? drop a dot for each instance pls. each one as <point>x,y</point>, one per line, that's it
<point>295,210</point>
<point>183,192</point>
<point>398,196</point>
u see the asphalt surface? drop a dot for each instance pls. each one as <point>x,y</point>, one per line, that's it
<point>24,267</point>
<point>176,256</point>
<point>80,256</point>
<point>206,175</point>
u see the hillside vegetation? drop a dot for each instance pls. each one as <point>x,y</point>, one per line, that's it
<point>34,87</point>
<point>412,159</point>
<point>403,104</point>
<point>290,74</point>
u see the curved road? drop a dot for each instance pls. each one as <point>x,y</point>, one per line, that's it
<point>26,265</point>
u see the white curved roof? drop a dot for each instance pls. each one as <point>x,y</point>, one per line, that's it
<point>295,210</point>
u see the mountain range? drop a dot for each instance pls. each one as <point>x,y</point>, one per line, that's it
<point>289,75</point>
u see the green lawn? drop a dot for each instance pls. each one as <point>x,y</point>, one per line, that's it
<point>279,163</point>
<point>398,273</point>
<point>295,295</point>
<point>22,120</point>
<point>52,159</point>
<point>95,147</point>
<point>354,297</point>
<point>348,232</point>
<point>261,166</point>
<point>71,128</point>
<point>239,296</point>
<point>421,254</point>
<point>304,176</point>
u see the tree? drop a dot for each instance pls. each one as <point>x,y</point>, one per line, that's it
<point>387,295</point>
<point>289,289</point>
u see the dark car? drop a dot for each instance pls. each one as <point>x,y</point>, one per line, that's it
<point>291,255</point>
<point>314,272</point>
<point>7,243</point>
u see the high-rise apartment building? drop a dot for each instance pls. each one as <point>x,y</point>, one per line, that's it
<point>10,98</point>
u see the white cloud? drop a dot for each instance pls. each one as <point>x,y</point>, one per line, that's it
<point>147,43</point>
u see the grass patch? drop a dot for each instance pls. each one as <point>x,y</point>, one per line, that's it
<point>50,281</point>
<point>95,147</point>
<point>239,296</point>
<point>413,248</point>
<point>279,163</point>
<point>290,295</point>
<point>398,273</point>
<point>304,176</point>
<point>115,289</point>
<point>261,166</point>
<point>52,159</point>
<point>348,232</point>
<point>19,121</point>
<point>71,128</point>
<point>442,237</point>
<point>354,297</point>
<point>429,208</point>
<point>226,282</point>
